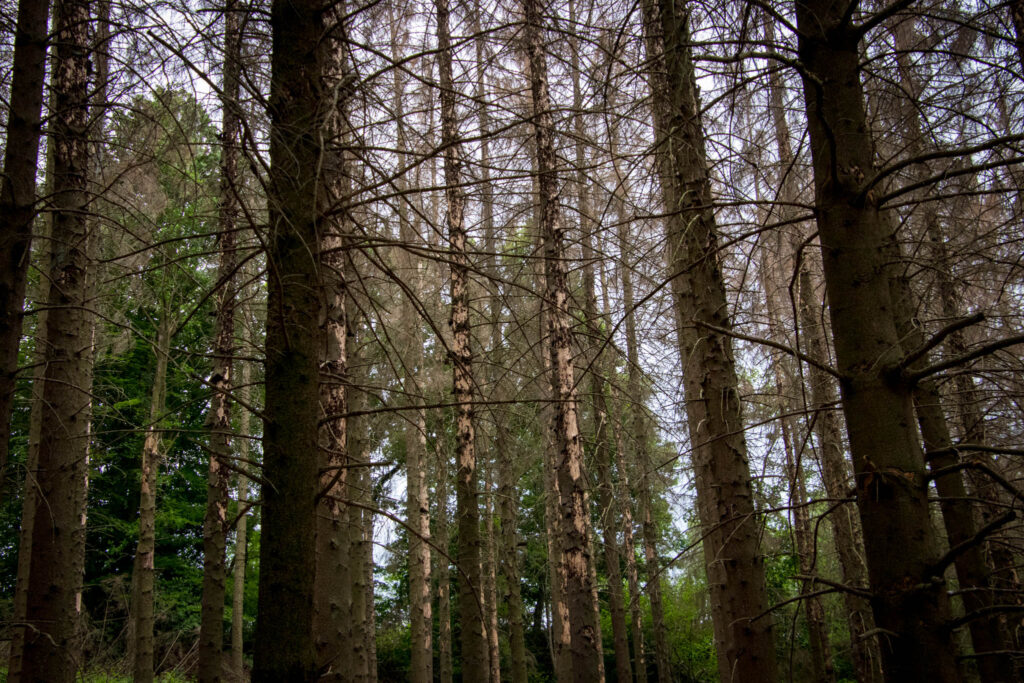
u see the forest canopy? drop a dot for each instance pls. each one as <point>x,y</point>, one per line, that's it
<point>516,340</point>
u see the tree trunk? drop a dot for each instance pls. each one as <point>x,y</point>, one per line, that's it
<point>824,422</point>
<point>834,475</point>
<point>51,646</point>
<point>575,553</point>
<point>637,425</point>
<point>333,585</point>
<point>218,419</point>
<point>735,568</point>
<point>284,630</point>
<point>603,450</point>
<point>957,513</point>
<point>18,198</point>
<point>443,573</point>
<point>474,638</point>
<point>508,508</point>
<point>143,571</point>
<point>241,532</point>
<point>909,599</point>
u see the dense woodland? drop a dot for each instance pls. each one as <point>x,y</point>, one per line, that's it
<point>516,340</point>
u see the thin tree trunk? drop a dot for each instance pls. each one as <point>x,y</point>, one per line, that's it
<point>18,198</point>
<point>284,648</point>
<point>603,451</point>
<point>637,425</point>
<point>490,578</point>
<point>575,553</point>
<point>143,572</point>
<point>361,652</point>
<point>735,567</point>
<point>474,638</point>
<point>241,532</point>
<point>415,428</point>
<point>51,648</point>
<point>218,419</point>
<point>507,504</point>
<point>442,571</point>
<point>910,601</point>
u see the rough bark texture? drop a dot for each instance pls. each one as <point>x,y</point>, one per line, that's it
<point>284,649</point>
<point>51,646</point>
<point>735,568</point>
<point>575,553</point>
<point>475,664</point>
<point>143,571</point>
<point>333,590</point>
<point>909,600</point>
<point>218,419</point>
<point>600,436</point>
<point>18,198</point>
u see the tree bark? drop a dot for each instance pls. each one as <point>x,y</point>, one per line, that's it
<point>241,533</point>
<point>845,524</point>
<point>333,586</point>
<point>18,198</point>
<point>735,568</point>
<point>474,632</point>
<point>51,649</point>
<point>909,600</point>
<point>218,419</point>
<point>143,571</point>
<point>575,553</point>
<point>284,630</point>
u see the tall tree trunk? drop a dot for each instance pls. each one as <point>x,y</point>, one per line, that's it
<point>51,647</point>
<point>143,571</point>
<point>241,531</point>
<point>603,450</point>
<point>360,652</point>
<point>575,553</point>
<point>490,578</point>
<point>957,510</point>
<point>474,638</point>
<point>35,430</point>
<point>18,198</point>
<point>218,419</point>
<point>443,573</point>
<point>823,420</point>
<point>735,568</point>
<point>957,513</point>
<point>508,508</point>
<point>803,535</point>
<point>909,599</point>
<point>637,425</point>
<point>333,586</point>
<point>415,428</point>
<point>284,629</point>
<point>834,474</point>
